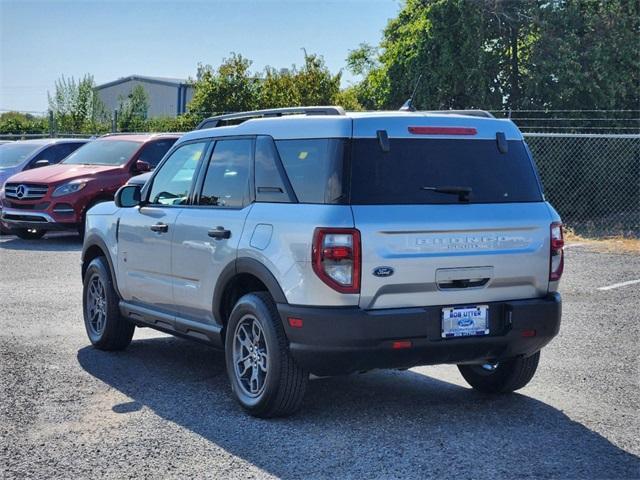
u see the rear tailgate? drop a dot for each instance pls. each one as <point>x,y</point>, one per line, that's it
<point>453,206</point>
<point>452,254</point>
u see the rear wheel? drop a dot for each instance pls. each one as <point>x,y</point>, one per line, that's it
<point>29,233</point>
<point>501,377</point>
<point>106,328</point>
<point>265,379</point>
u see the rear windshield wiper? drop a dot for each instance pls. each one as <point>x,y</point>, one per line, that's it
<point>462,192</point>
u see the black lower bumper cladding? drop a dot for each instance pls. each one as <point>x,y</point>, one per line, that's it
<point>335,340</point>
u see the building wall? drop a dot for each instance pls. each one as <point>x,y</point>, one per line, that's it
<point>163,98</point>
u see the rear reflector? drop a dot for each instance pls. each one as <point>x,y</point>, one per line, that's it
<point>528,333</point>
<point>443,130</point>
<point>295,322</point>
<point>400,344</point>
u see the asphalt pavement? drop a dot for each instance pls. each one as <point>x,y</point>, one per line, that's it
<point>163,408</point>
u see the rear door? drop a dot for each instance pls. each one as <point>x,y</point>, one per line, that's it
<point>207,234</point>
<point>448,220</point>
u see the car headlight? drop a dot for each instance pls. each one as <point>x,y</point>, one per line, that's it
<point>70,187</point>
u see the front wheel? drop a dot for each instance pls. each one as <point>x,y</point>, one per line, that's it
<point>29,233</point>
<point>106,328</point>
<point>265,379</point>
<point>501,377</point>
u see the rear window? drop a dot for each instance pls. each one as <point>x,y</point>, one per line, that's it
<point>314,167</point>
<point>430,171</point>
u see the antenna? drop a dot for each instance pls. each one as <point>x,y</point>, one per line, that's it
<point>408,105</point>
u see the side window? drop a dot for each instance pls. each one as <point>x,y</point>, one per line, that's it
<point>172,183</point>
<point>270,176</point>
<point>314,168</point>
<point>56,153</point>
<point>153,152</point>
<point>226,183</point>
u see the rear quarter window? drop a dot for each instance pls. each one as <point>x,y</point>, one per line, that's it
<point>314,167</point>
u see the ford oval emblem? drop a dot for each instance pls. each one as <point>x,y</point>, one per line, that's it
<point>465,322</point>
<point>383,271</point>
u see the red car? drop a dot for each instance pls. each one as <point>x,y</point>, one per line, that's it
<point>57,197</point>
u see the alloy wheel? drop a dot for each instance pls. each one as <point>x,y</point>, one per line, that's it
<point>250,362</point>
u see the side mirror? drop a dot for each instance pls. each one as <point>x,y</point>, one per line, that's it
<point>128,196</point>
<point>41,163</point>
<point>142,166</point>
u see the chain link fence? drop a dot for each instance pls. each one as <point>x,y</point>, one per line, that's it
<point>593,180</point>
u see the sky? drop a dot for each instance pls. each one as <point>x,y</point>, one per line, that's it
<point>40,40</point>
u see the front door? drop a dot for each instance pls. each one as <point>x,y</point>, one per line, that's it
<point>145,233</point>
<point>209,232</point>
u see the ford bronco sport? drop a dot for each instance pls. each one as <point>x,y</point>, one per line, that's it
<point>316,241</point>
<point>56,197</point>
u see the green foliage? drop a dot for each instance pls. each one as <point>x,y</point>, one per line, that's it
<point>133,109</point>
<point>229,88</point>
<point>562,54</point>
<point>16,122</point>
<point>232,87</point>
<point>76,105</point>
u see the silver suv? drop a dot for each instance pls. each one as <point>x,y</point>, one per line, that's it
<point>310,240</point>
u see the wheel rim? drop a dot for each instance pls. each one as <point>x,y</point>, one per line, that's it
<point>96,305</point>
<point>250,362</point>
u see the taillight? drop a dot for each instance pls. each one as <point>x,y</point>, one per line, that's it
<point>336,258</point>
<point>556,263</point>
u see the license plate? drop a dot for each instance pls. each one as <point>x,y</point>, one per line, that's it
<point>465,321</point>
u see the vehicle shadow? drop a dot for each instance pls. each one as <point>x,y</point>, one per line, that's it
<point>381,424</point>
<point>51,242</point>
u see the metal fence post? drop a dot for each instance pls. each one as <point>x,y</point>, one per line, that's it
<point>51,125</point>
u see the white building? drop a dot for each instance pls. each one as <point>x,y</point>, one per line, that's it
<point>168,97</point>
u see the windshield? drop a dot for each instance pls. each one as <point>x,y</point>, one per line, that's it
<point>12,154</point>
<point>437,171</point>
<point>103,152</point>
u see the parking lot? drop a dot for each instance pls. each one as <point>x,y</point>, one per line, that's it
<point>163,407</point>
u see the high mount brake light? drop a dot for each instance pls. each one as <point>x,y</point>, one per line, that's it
<point>336,258</point>
<point>443,130</point>
<point>556,260</point>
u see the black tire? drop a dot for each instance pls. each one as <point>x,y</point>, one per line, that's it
<point>29,233</point>
<point>110,331</point>
<point>284,381</point>
<point>505,377</point>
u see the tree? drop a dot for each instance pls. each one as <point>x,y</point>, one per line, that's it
<point>16,122</point>
<point>495,54</point>
<point>229,88</point>
<point>313,84</point>
<point>76,105</point>
<point>133,109</point>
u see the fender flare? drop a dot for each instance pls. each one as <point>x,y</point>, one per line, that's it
<point>252,267</point>
<point>94,240</point>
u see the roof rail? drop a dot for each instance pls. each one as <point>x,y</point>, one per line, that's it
<point>213,122</point>
<point>151,134</point>
<point>471,113</point>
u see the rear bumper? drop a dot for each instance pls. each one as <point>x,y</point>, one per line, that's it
<point>343,340</point>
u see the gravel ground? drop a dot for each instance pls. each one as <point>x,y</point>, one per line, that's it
<point>163,407</point>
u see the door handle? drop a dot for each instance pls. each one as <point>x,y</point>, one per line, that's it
<point>219,233</point>
<point>160,228</point>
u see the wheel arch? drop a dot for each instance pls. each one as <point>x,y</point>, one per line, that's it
<point>238,278</point>
<point>95,247</point>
